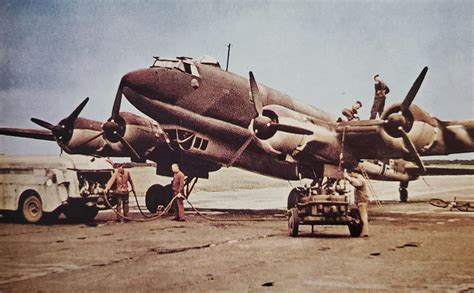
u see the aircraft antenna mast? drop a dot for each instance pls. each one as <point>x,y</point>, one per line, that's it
<point>228,56</point>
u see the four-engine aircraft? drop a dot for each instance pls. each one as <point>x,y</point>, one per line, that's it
<point>205,118</point>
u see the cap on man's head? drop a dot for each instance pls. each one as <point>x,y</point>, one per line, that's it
<point>360,103</point>
<point>375,76</point>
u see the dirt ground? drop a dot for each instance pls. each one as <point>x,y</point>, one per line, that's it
<point>412,247</point>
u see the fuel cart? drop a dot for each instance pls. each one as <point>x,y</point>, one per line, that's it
<point>306,208</point>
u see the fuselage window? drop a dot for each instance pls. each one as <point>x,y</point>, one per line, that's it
<point>197,142</point>
<point>204,144</point>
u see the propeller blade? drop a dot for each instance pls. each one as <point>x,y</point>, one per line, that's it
<point>291,129</point>
<point>71,118</point>
<point>413,90</point>
<point>412,149</point>
<point>90,139</point>
<point>117,101</point>
<point>255,95</point>
<point>42,123</point>
<point>134,153</point>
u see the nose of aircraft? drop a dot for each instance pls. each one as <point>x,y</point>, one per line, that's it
<point>141,80</point>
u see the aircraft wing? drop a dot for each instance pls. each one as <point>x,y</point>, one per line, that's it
<point>439,171</point>
<point>28,133</point>
<point>425,136</point>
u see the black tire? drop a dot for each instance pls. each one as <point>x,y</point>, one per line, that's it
<point>439,203</point>
<point>403,194</point>
<point>51,217</point>
<point>293,222</point>
<point>355,227</point>
<point>31,208</point>
<point>158,195</point>
<point>293,197</point>
<point>10,215</point>
<point>81,214</point>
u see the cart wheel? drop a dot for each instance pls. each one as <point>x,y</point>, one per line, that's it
<point>355,227</point>
<point>293,222</point>
<point>439,203</point>
<point>293,197</point>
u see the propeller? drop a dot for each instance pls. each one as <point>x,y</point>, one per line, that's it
<point>265,127</point>
<point>401,118</point>
<point>114,128</point>
<point>412,149</point>
<point>62,131</point>
<point>398,123</point>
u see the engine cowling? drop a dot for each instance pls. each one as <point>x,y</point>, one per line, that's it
<point>422,129</point>
<point>141,133</point>
<point>283,142</point>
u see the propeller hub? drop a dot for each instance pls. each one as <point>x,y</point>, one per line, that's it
<point>263,127</point>
<point>113,131</point>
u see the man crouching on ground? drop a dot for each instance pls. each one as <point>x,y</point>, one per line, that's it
<point>178,186</point>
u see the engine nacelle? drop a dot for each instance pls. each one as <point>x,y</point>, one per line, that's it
<point>422,129</point>
<point>285,142</point>
<point>141,133</point>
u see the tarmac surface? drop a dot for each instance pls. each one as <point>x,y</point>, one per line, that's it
<point>412,246</point>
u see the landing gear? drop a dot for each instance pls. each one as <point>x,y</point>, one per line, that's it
<point>403,191</point>
<point>158,195</point>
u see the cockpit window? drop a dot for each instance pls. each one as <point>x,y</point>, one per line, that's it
<point>165,63</point>
<point>188,67</point>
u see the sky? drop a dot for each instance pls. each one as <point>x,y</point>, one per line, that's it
<point>53,54</point>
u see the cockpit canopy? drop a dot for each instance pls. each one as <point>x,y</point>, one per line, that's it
<point>185,64</point>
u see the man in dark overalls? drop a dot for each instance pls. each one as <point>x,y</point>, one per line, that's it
<point>381,90</point>
<point>178,187</point>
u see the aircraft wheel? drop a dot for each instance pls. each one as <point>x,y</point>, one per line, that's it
<point>355,227</point>
<point>31,208</point>
<point>293,222</point>
<point>293,197</point>
<point>158,195</point>
<point>403,191</point>
<point>403,194</point>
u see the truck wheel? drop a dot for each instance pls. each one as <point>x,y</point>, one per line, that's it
<point>293,222</point>
<point>31,208</point>
<point>158,195</point>
<point>355,227</point>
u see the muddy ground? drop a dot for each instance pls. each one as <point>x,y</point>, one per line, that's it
<point>412,247</point>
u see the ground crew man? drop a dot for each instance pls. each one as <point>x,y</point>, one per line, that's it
<point>351,113</point>
<point>361,196</point>
<point>178,187</point>
<point>381,90</point>
<point>119,181</point>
